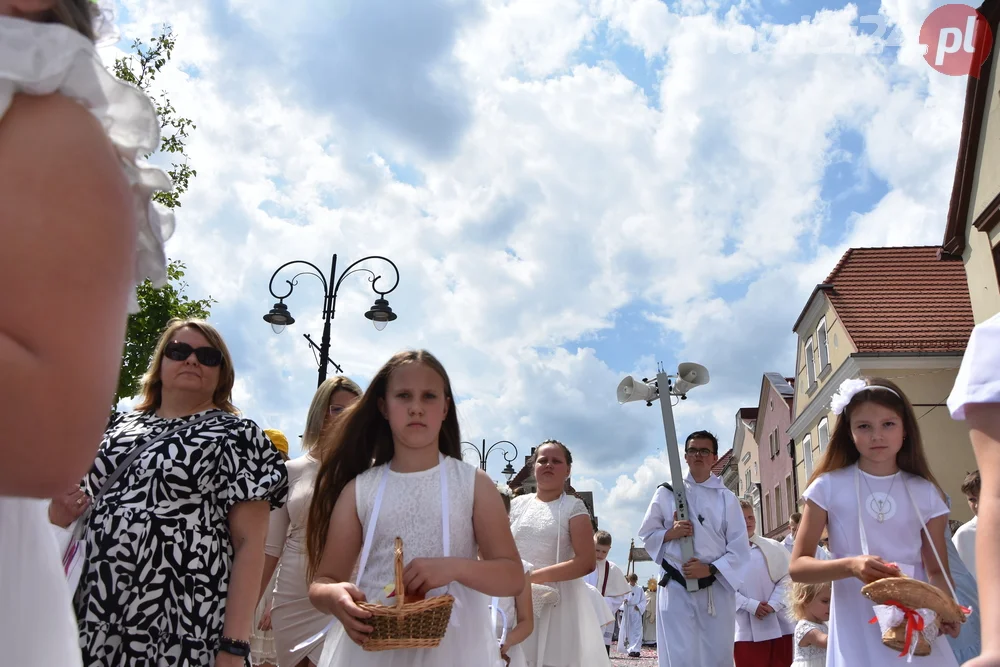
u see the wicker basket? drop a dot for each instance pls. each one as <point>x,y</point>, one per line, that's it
<point>913,594</point>
<point>408,624</point>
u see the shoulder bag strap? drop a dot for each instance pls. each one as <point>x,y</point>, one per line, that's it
<point>124,465</point>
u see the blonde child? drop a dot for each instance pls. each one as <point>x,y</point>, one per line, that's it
<point>395,470</point>
<point>885,513</point>
<point>78,233</point>
<point>810,607</point>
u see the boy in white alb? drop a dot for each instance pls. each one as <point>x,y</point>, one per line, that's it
<point>630,632</point>
<point>697,628</point>
<point>964,538</point>
<point>609,580</point>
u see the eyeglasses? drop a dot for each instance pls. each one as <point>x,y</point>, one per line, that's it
<point>699,452</point>
<point>207,356</point>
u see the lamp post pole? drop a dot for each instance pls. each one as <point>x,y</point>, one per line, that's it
<point>484,454</point>
<point>380,313</point>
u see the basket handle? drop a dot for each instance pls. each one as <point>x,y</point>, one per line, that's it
<point>400,592</point>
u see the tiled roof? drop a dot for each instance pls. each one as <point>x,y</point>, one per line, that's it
<point>720,465</point>
<point>901,300</point>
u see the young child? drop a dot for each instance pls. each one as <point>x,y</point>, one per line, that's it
<point>630,632</point>
<point>553,531</point>
<point>965,537</point>
<point>78,233</point>
<point>810,606</point>
<point>395,470</point>
<point>609,581</point>
<point>875,493</point>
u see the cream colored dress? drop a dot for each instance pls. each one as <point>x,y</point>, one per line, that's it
<point>293,617</point>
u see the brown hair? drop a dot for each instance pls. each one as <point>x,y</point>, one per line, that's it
<point>534,455</point>
<point>795,517</point>
<point>152,384</point>
<point>799,595</point>
<point>841,452</point>
<point>603,538</point>
<point>363,440</point>
<point>320,407</point>
<point>972,484</point>
<point>75,14</point>
<point>746,504</point>
<point>633,578</point>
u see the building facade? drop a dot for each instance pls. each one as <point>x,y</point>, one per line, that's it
<point>745,454</point>
<point>779,487</point>
<point>897,313</point>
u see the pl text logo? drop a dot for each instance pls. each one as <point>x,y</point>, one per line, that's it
<point>957,40</point>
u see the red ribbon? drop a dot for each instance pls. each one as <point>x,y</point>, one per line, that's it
<point>914,621</point>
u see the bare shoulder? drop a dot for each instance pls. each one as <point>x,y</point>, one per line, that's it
<point>55,137</point>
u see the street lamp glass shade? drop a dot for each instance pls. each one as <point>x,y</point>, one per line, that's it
<point>509,472</point>
<point>380,314</point>
<point>279,317</point>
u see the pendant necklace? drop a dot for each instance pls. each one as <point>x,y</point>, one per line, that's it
<point>880,506</point>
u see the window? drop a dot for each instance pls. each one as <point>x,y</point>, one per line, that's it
<point>810,363</point>
<point>770,445</point>
<point>778,515</point>
<point>824,434</point>
<point>767,511</point>
<point>777,443</point>
<point>807,451</point>
<point>746,489</point>
<point>789,494</point>
<point>823,344</point>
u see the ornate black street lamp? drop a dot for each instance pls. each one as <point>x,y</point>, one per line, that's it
<point>484,455</point>
<point>380,313</point>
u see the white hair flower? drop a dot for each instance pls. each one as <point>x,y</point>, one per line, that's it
<point>847,390</point>
<point>504,489</point>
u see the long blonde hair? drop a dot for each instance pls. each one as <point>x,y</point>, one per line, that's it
<point>152,384</point>
<point>320,407</point>
<point>800,595</point>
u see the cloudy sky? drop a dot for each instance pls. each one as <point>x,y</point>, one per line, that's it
<point>573,190</point>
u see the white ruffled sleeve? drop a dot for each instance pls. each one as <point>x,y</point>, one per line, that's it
<point>45,58</point>
<point>978,379</point>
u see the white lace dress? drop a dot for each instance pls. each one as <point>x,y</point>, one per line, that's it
<point>568,634</point>
<point>411,509</point>
<point>808,656</point>
<point>40,59</point>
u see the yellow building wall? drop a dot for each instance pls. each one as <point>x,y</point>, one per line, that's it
<point>945,441</point>
<point>979,267</point>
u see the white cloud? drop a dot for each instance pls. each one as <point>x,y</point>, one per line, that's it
<point>557,195</point>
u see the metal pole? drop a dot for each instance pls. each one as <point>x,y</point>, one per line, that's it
<point>328,306</point>
<point>676,476</point>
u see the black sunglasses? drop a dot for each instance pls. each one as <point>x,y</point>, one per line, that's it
<point>207,356</point>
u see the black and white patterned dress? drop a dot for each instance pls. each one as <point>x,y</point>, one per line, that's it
<point>153,591</point>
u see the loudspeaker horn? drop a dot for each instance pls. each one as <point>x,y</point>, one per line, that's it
<point>630,390</point>
<point>689,376</point>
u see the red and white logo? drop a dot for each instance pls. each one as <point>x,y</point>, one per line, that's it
<point>957,40</point>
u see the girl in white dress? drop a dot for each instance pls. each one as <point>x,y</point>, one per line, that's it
<point>395,470</point>
<point>78,233</point>
<point>553,531</point>
<point>885,513</point>
<point>810,607</point>
<point>517,620</point>
<point>293,617</point>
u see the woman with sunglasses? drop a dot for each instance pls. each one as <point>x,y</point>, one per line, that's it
<point>293,617</point>
<point>175,546</point>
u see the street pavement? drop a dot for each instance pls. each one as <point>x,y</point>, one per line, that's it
<point>648,658</point>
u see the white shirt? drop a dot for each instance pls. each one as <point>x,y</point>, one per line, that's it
<point>964,540</point>
<point>757,587</point>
